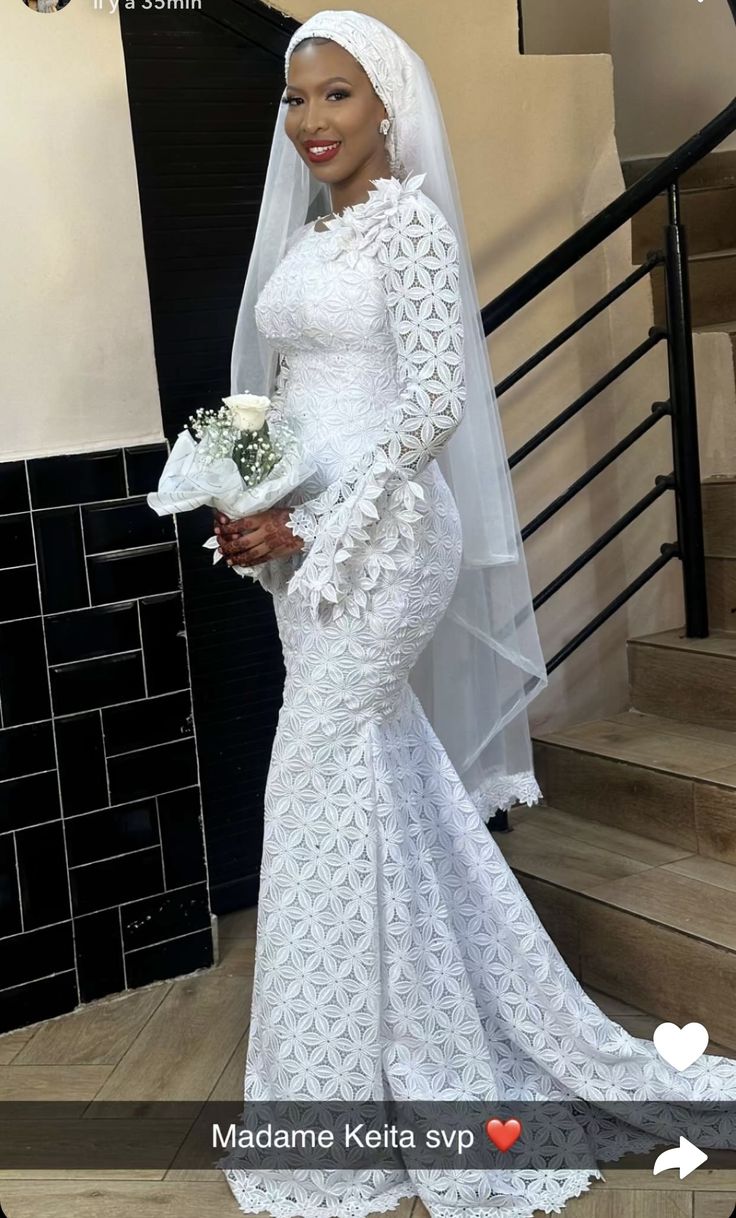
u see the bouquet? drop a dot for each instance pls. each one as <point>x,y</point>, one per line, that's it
<point>239,460</point>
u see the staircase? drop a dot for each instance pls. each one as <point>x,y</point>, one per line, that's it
<point>631,861</point>
<point>708,193</point>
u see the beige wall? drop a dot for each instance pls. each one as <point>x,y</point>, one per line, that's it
<point>673,61</point>
<point>535,153</point>
<point>566,27</point>
<point>76,352</point>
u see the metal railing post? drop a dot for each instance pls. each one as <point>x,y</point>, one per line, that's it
<point>685,446</point>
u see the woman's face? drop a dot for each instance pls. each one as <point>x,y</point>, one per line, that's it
<point>329,99</point>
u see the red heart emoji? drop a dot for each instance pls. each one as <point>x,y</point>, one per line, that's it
<point>503,1134</point>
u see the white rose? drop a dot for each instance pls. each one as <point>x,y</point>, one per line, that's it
<point>247,410</point>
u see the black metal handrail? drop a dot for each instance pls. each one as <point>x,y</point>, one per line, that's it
<point>684,479</point>
<point>608,219</point>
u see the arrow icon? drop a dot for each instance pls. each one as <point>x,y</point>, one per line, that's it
<point>685,1156</point>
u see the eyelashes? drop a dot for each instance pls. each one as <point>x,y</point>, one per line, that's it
<point>286,101</point>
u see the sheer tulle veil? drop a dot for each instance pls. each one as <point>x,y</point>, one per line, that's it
<point>484,664</point>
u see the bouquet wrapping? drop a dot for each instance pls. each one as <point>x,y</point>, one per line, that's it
<point>244,460</point>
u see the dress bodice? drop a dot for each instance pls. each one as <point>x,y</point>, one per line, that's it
<point>366,317</point>
<point>324,309</point>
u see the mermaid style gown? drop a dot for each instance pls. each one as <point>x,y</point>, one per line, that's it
<point>397,954</point>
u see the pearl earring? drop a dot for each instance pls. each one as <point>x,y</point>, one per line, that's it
<point>384,127</point>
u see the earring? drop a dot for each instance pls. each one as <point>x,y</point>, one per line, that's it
<point>384,127</point>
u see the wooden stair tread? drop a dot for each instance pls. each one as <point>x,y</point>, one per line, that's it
<point>714,327</point>
<point>666,745</point>
<point>718,642</point>
<point>709,255</point>
<point>635,851</point>
<point>584,858</point>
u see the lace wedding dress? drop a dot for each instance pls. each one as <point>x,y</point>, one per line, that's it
<point>397,954</point>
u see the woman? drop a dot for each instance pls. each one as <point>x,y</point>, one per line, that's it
<point>397,955</point>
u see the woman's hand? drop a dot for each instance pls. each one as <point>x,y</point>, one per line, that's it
<point>255,539</point>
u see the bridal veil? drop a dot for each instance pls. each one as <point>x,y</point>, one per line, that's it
<point>484,664</point>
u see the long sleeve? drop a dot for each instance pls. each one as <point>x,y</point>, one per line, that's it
<point>350,529</point>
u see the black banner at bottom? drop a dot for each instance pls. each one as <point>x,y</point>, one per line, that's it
<point>380,1134</point>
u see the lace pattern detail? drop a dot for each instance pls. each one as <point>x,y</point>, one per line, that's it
<point>254,1198</point>
<point>501,791</point>
<point>351,528</point>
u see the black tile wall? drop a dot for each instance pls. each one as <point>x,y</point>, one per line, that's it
<point>24,687</point>
<point>86,478</point>
<point>164,644</point>
<point>38,1000</point>
<point>42,875</point>
<point>10,920</point>
<point>170,959</point>
<point>115,577</point>
<point>235,652</point>
<point>113,881</point>
<point>26,750</point>
<point>99,954</point>
<point>36,953</point>
<point>156,919</point>
<point>152,771</point>
<point>114,831</point>
<point>16,541</point>
<point>29,801</point>
<point>103,879</point>
<point>88,683</point>
<point>144,465</point>
<point>139,725</point>
<point>13,487</point>
<point>181,837</point>
<point>80,752</point>
<point>61,565</point>
<point>112,526</point>
<point>18,593</point>
<point>92,632</point>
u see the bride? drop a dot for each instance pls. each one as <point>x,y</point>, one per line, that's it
<point>397,955</point>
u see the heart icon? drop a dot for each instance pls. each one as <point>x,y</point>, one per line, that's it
<point>503,1134</point>
<point>681,1046</point>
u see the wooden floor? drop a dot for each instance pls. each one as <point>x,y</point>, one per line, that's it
<point>185,1040</point>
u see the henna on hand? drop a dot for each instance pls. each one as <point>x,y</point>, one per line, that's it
<point>256,539</point>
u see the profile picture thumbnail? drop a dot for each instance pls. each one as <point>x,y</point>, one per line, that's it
<point>45,6</point>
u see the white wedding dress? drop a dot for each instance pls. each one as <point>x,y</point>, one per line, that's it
<point>397,954</point>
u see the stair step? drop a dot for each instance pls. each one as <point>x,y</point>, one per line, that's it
<point>719,517</point>
<point>727,327</point>
<point>637,1022</point>
<point>709,216</point>
<point>713,171</point>
<point>670,782</point>
<point>719,537</point>
<point>656,931</point>
<point>682,678</point>
<point>720,580</point>
<point>712,289</point>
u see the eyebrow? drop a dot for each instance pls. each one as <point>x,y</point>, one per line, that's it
<point>331,81</point>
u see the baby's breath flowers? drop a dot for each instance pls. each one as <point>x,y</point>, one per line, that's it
<point>240,460</point>
<point>239,429</point>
